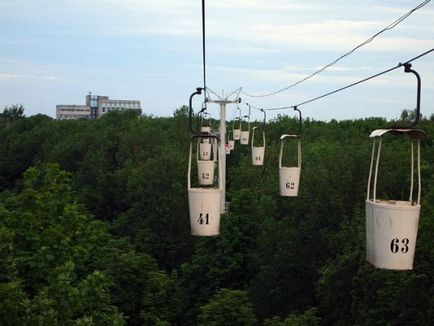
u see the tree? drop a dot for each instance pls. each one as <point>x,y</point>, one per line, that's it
<point>308,318</point>
<point>12,113</point>
<point>227,307</point>
<point>59,265</point>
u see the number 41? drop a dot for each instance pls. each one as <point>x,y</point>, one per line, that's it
<point>202,218</point>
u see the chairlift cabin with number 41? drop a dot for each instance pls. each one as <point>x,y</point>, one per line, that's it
<point>236,129</point>
<point>258,152</point>
<point>204,200</point>
<point>245,134</point>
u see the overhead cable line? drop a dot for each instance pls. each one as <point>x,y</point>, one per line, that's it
<point>203,52</point>
<point>238,90</point>
<point>388,27</point>
<point>212,92</point>
<point>352,84</point>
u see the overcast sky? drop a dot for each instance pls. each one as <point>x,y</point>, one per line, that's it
<point>56,51</point>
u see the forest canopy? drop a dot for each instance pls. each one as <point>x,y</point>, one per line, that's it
<point>94,228</point>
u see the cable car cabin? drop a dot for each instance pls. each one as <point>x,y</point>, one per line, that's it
<point>244,134</point>
<point>227,148</point>
<point>205,150</point>
<point>258,152</point>
<point>227,144</point>
<point>236,131</point>
<point>289,176</point>
<point>391,225</point>
<point>204,193</point>
<point>205,129</point>
<point>206,159</point>
<point>231,142</point>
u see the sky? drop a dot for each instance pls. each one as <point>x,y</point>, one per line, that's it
<point>57,51</point>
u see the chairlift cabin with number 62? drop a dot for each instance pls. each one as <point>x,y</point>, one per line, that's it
<point>289,176</point>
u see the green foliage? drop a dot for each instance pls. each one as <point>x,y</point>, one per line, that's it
<point>308,318</point>
<point>60,266</point>
<point>94,228</point>
<point>11,114</point>
<point>227,307</point>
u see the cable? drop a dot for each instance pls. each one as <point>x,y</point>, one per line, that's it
<point>238,90</point>
<point>388,27</point>
<point>203,51</point>
<point>353,84</point>
<point>212,92</point>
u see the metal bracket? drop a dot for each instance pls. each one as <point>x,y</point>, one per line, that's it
<point>265,118</point>
<point>299,119</point>
<point>407,69</point>
<point>190,111</point>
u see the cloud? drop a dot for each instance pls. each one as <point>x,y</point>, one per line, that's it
<point>11,76</point>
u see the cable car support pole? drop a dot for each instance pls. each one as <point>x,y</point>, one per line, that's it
<point>222,149</point>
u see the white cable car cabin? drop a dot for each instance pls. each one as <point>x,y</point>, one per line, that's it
<point>236,131</point>
<point>204,201</point>
<point>391,225</point>
<point>245,134</point>
<point>205,145</point>
<point>258,152</point>
<point>227,146</point>
<point>231,142</point>
<point>206,167</point>
<point>289,176</point>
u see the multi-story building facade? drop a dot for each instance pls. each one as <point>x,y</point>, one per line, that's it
<point>95,107</point>
<point>68,112</point>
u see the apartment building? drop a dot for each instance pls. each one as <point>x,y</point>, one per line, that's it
<point>96,106</point>
<point>72,112</point>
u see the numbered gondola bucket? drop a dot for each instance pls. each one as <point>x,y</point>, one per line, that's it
<point>205,171</point>
<point>206,127</point>
<point>204,202</point>
<point>245,134</point>
<point>227,144</point>
<point>258,152</point>
<point>206,167</point>
<point>205,150</point>
<point>227,148</point>
<point>231,144</point>
<point>206,130</point>
<point>205,145</point>
<point>289,177</point>
<point>236,131</point>
<point>391,225</point>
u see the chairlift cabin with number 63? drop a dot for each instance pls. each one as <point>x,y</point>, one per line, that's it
<point>392,224</point>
